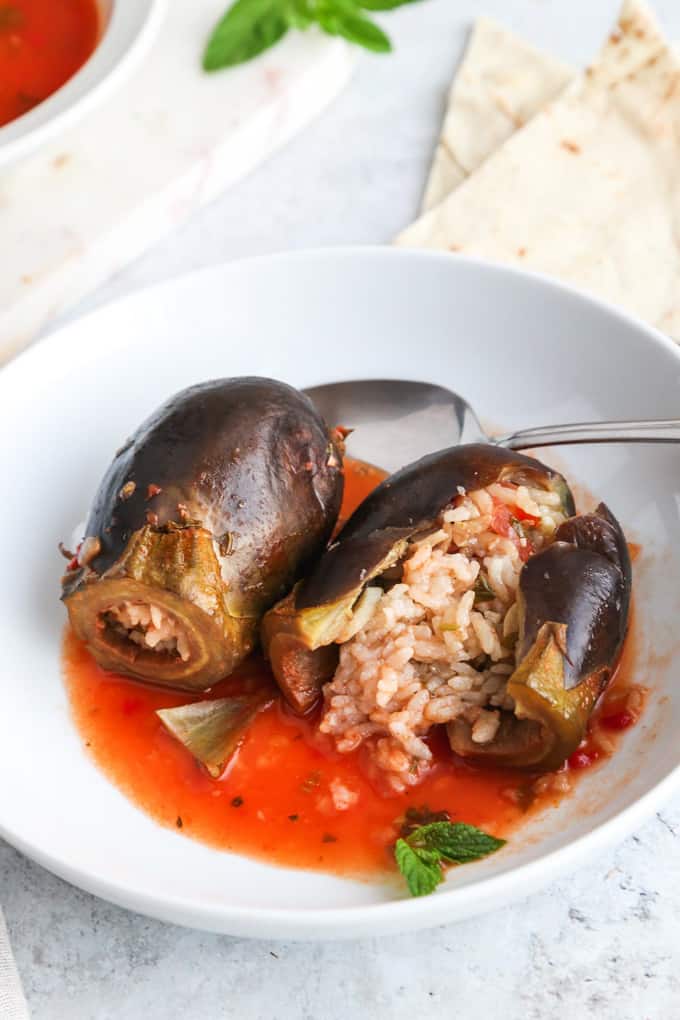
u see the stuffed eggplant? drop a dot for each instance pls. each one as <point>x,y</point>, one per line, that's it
<point>206,517</point>
<point>462,592</point>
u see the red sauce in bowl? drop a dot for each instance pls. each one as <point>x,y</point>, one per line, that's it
<point>42,44</point>
<point>275,800</point>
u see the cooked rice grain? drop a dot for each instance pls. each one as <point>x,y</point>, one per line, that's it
<point>429,651</point>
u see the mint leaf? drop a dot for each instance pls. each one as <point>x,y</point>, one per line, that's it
<point>414,817</point>
<point>247,29</point>
<point>383,5</point>
<point>343,17</point>
<point>455,841</point>
<point>420,868</point>
<point>421,854</point>
<point>252,26</point>
<point>299,14</point>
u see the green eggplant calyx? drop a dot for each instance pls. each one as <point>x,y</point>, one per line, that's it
<point>538,689</point>
<point>300,658</point>
<point>301,644</point>
<point>178,572</point>
<point>212,730</point>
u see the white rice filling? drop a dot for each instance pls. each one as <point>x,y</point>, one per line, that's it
<point>150,627</point>
<point>432,650</point>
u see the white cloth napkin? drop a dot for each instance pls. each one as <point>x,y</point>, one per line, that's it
<point>13,1005</point>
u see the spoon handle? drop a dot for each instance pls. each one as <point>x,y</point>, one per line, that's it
<point>664,431</point>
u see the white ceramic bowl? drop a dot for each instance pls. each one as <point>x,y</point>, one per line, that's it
<point>128,26</point>
<point>522,349</point>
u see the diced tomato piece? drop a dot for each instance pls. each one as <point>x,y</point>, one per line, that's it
<point>525,550</point>
<point>583,757</point>
<point>501,521</point>
<point>617,721</point>
<point>131,705</point>
<point>73,563</point>
<point>522,515</point>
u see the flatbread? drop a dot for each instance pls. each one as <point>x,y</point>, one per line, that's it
<point>501,83</point>
<point>588,190</point>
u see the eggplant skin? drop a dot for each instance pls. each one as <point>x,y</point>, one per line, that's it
<point>409,501</point>
<point>212,509</point>
<point>583,581</point>
<point>574,604</point>
<point>372,541</point>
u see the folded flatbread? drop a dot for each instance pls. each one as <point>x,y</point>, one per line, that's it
<point>589,189</point>
<point>502,82</point>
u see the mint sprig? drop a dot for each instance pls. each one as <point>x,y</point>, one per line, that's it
<point>421,856</point>
<point>249,27</point>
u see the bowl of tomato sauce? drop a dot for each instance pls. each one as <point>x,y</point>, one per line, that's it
<point>58,58</point>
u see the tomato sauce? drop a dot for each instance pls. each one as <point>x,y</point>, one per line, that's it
<point>42,44</point>
<point>275,801</point>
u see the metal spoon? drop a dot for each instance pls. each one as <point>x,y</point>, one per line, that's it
<point>398,421</point>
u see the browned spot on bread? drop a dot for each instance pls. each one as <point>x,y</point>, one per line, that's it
<point>521,252</point>
<point>672,87</point>
<point>570,146</point>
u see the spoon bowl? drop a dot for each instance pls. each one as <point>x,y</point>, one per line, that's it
<point>395,422</point>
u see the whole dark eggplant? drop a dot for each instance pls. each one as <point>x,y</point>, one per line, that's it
<point>210,512</point>
<point>299,634</point>
<point>574,600</point>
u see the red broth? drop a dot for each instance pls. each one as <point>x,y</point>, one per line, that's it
<point>275,800</point>
<point>42,44</point>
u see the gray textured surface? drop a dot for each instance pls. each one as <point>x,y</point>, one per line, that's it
<point>601,944</point>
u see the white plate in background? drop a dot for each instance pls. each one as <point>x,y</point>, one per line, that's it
<point>523,350</point>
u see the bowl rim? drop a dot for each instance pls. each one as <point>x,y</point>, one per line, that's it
<point>131,27</point>
<point>456,902</point>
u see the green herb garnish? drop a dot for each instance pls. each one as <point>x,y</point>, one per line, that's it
<point>422,856</point>
<point>312,781</point>
<point>250,27</point>
<point>483,590</point>
<point>518,527</point>
<point>10,16</point>
<point>416,817</point>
